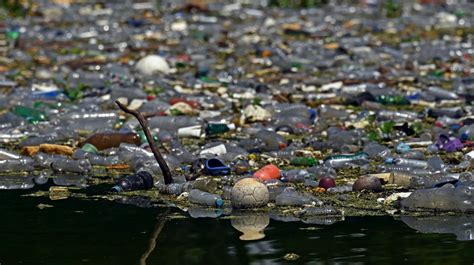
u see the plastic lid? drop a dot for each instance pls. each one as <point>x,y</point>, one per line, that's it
<point>219,202</point>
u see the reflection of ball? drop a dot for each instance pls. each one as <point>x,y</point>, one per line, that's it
<point>251,225</point>
<point>249,193</point>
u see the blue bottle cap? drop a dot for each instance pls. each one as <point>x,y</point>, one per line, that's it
<point>403,148</point>
<point>219,202</point>
<point>312,114</point>
<point>389,160</point>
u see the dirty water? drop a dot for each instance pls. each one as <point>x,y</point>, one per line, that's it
<point>74,231</point>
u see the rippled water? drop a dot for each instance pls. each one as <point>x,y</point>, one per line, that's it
<point>99,232</point>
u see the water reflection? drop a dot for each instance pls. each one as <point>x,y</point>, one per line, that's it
<point>198,212</point>
<point>251,224</point>
<point>20,182</point>
<point>126,234</point>
<point>461,226</point>
<point>16,182</point>
<point>71,180</point>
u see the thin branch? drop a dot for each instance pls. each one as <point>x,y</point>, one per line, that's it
<point>159,158</point>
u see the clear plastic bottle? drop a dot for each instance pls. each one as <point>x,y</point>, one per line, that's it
<point>205,198</point>
<point>172,123</point>
<point>24,164</point>
<point>405,162</point>
<point>273,141</point>
<point>69,165</point>
<point>290,197</point>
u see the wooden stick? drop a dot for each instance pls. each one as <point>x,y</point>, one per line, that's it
<point>159,158</point>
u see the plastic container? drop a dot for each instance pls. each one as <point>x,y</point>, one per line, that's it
<point>140,181</point>
<point>204,198</point>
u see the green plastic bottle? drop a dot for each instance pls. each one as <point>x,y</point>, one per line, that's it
<point>143,139</point>
<point>217,128</point>
<point>303,161</point>
<point>31,115</point>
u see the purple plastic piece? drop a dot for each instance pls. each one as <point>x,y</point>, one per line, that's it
<point>449,144</point>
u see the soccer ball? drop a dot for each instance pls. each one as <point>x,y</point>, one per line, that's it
<point>249,193</point>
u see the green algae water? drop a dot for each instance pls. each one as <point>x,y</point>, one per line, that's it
<point>75,231</point>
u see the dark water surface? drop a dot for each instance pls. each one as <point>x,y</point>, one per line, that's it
<point>100,232</point>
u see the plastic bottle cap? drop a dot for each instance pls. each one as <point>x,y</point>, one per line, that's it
<point>219,202</point>
<point>389,160</point>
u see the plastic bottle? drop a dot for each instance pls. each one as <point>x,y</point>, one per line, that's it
<point>5,155</point>
<point>273,141</point>
<point>294,176</point>
<point>127,152</point>
<point>103,141</point>
<point>69,165</point>
<point>172,123</point>
<point>415,154</point>
<point>440,93</point>
<point>218,128</point>
<point>24,164</point>
<point>397,115</point>
<point>103,160</point>
<point>205,198</point>
<point>31,115</point>
<point>290,197</point>
<point>340,189</point>
<point>303,161</point>
<point>322,171</point>
<point>140,181</point>
<point>374,150</point>
<point>339,161</point>
<point>174,188</point>
<point>90,121</point>
<point>405,162</point>
<point>446,198</point>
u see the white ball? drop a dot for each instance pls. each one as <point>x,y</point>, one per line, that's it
<point>152,64</point>
<point>249,193</point>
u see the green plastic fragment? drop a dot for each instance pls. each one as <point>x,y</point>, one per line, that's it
<point>90,148</point>
<point>31,115</point>
<point>216,128</point>
<point>303,161</point>
<point>373,136</point>
<point>387,126</point>
<point>13,35</point>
